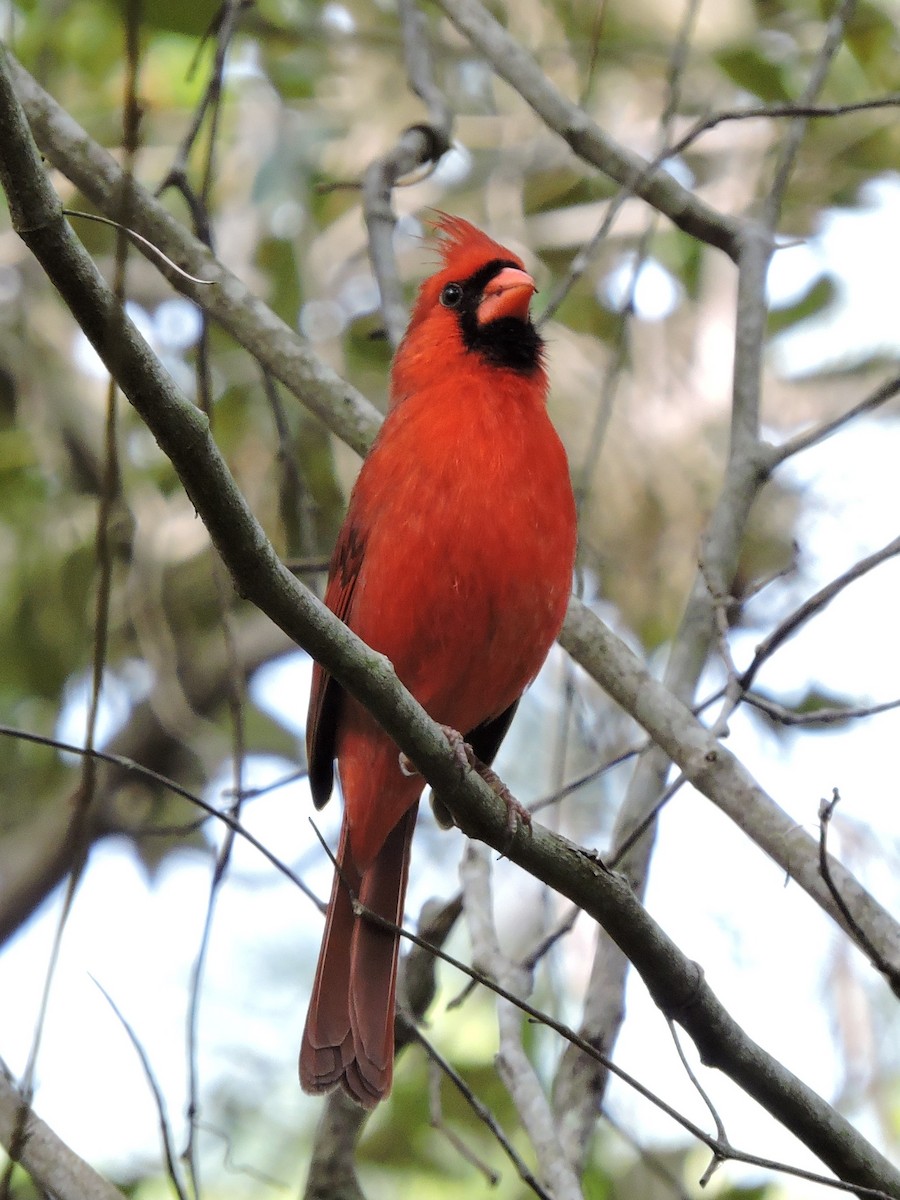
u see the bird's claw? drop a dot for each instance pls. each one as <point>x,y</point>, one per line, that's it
<point>516,813</point>
<point>462,751</point>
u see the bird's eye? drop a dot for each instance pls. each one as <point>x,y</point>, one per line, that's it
<point>451,295</point>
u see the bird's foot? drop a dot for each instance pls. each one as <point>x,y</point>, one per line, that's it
<point>516,813</point>
<point>462,751</point>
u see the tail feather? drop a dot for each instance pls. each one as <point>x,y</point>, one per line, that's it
<point>327,1047</point>
<point>349,1035</point>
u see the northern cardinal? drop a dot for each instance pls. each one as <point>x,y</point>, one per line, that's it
<point>455,560</point>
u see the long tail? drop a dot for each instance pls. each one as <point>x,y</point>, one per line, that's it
<point>349,1034</point>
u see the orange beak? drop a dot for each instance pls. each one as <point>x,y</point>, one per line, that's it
<point>507,295</point>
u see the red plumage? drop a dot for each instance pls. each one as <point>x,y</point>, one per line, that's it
<point>454,560</point>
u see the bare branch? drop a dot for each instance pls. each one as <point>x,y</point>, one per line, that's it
<point>416,146</point>
<point>589,142</point>
<point>484,1115</point>
<point>55,1168</point>
<point>757,112</point>
<point>834,36</point>
<point>818,716</point>
<point>513,1065</point>
<point>231,305</point>
<point>826,812</point>
<point>812,437</point>
<point>165,1129</point>
<point>811,607</point>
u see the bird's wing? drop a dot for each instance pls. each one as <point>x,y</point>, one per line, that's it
<point>485,739</point>
<point>326,693</point>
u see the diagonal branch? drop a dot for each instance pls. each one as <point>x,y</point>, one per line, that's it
<point>229,302</point>
<point>714,771</point>
<point>55,1168</point>
<point>652,183</point>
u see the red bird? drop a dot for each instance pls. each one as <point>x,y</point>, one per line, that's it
<point>455,560</point>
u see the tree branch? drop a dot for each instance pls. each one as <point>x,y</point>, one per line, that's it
<point>417,145</point>
<point>714,771</point>
<point>55,1168</point>
<point>345,411</point>
<point>512,1062</point>
<point>38,858</point>
<point>647,180</point>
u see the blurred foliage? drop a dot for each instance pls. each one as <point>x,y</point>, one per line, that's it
<point>312,94</point>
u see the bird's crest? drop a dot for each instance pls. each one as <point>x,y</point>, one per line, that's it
<point>463,248</point>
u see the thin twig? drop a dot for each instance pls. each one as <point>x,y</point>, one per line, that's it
<point>223,28</point>
<point>129,765</point>
<point>230,1163</point>
<point>701,1092</point>
<point>295,502</point>
<point>313,565</point>
<point>437,1122</point>
<point>816,717</point>
<point>811,607</point>
<point>790,147</point>
<point>416,146</point>
<point>812,437</point>
<point>589,776</point>
<point>545,944</point>
<point>630,840</point>
<point>141,240</point>
<point>724,1149</point>
<point>165,1129</point>
<point>253,793</point>
<point>483,1113</point>
<point>775,111</point>
<point>826,812</point>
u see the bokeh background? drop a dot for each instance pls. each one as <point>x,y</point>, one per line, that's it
<point>640,351</point>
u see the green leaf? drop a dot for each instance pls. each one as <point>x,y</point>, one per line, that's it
<point>814,300</point>
<point>751,70</point>
<point>175,16</point>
